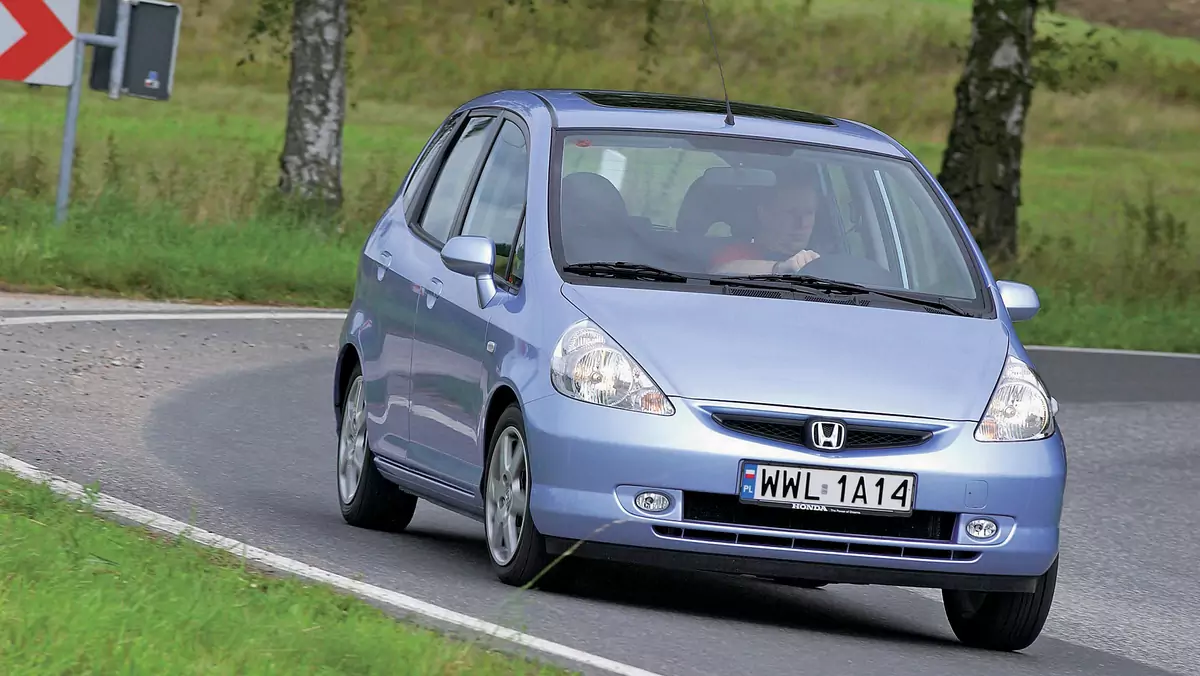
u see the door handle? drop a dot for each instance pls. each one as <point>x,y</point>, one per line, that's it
<point>432,292</point>
<point>386,263</point>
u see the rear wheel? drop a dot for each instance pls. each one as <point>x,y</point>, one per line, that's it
<point>367,499</point>
<point>517,550</point>
<point>1004,621</point>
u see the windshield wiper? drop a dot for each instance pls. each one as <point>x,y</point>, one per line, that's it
<point>623,269</point>
<point>835,286</point>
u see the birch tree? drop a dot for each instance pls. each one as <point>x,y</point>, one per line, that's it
<point>311,162</point>
<point>981,167</point>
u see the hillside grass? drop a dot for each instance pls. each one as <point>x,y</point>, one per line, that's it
<point>81,594</point>
<point>174,199</point>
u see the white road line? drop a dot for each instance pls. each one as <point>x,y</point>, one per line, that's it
<point>279,563</point>
<point>163,316</point>
<point>1115,353</point>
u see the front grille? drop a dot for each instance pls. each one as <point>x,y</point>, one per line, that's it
<point>718,508</point>
<point>811,545</point>
<point>791,431</point>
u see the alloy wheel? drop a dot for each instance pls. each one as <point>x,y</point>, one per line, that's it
<point>352,443</point>
<point>507,496</point>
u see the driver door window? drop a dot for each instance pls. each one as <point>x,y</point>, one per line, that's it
<point>438,219</point>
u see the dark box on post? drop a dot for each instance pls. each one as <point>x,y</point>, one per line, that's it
<point>150,51</point>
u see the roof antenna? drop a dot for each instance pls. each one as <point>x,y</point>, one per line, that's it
<point>711,37</point>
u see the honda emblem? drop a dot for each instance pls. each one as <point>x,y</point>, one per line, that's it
<point>827,435</point>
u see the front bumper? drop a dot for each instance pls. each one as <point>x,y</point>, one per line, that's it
<point>588,462</point>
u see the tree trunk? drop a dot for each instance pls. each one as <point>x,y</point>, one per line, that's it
<point>311,162</point>
<point>981,168</point>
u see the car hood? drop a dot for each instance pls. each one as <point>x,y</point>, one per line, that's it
<point>802,353</point>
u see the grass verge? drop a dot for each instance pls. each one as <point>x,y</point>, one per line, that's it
<point>82,594</point>
<point>113,247</point>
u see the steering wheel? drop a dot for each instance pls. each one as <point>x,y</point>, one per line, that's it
<point>846,267</point>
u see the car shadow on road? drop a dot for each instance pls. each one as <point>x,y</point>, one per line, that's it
<point>753,600</point>
<point>888,614</point>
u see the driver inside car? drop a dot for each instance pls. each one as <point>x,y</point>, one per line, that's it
<point>785,225</point>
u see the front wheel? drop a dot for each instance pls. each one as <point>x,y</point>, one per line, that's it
<point>517,550</point>
<point>1005,621</point>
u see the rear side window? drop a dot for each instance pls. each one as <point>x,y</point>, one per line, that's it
<point>452,180</point>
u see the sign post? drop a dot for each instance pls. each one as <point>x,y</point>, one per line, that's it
<point>67,158</point>
<point>39,45</point>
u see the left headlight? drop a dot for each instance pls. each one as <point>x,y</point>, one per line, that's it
<point>1020,408</point>
<point>590,366</point>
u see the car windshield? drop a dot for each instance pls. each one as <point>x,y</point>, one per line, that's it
<point>696,204</point>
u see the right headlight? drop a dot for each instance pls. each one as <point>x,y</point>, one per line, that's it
<point>590,366</point>
<point>1020,408</point>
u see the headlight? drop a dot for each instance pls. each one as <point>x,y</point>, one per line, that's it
<point>1020,408</point>
<point>589,366</point>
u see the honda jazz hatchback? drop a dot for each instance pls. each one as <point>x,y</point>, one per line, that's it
<point>635,327</point>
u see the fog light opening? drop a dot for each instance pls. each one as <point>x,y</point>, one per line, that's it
<point>982,529</point>
<point>652,501</point>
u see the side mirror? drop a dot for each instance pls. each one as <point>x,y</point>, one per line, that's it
<point>1019,299</point>
<point>473,256</point>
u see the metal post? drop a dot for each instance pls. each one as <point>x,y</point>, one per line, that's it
<point>117,73</point>
<point>67,160</point>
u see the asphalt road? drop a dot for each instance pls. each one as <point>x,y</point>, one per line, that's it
<point>227,424</point>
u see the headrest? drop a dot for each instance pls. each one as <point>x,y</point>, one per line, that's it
<point>590,199</point>
<point>712,200</point>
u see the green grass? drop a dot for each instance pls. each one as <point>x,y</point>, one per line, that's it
<point>115,249</point>
<point>81,594</point>
<point>173,200</point>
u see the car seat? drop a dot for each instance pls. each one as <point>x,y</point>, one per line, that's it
<point>594,220</point>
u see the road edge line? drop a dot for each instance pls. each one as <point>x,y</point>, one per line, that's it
<point>1113,351</point>
<point>165,524</point>
<point>37,320</point>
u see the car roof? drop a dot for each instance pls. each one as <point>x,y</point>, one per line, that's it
<point>615,109</point>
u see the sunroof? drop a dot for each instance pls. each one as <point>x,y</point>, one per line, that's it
<point>701,105</point>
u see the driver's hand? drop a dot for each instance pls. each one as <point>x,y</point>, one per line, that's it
<point>797,261</point>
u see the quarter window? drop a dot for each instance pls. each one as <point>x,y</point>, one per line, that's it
<point>516,273</point>
<point>499,200</point>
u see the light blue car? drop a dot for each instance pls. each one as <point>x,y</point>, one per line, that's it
<point>767,348</point>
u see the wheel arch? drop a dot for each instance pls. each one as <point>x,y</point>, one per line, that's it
<point>503,396</point>
<point>347,359</point>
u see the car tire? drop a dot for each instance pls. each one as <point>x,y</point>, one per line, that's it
<point>506,484</point>
<point>1004,621</point>
<point>367,499</point>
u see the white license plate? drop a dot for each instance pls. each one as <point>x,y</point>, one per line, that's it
<point>828,490</point>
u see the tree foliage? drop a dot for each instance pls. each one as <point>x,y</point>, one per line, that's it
<point>270,30</point>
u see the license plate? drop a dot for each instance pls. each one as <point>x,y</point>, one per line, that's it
<point>822,489</point>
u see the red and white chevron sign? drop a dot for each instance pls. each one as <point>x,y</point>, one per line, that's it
<point>37,41</point>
